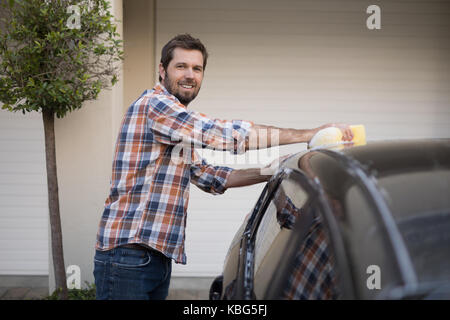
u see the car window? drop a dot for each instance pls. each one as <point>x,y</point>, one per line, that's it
<point>367,245</point>
<point>420,204</point>
<point>311,273</point>
<point>275,230</point>
<point>417,193</point>
<point>421,209</point>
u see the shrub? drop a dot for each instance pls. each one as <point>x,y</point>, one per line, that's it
<point>87,293</point>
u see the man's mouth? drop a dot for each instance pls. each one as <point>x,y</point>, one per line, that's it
<point>187,86</point>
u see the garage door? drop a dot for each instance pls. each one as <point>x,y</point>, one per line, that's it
<point>23,195</point>
<point>303,63</point>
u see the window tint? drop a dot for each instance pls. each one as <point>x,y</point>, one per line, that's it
<point>417,193</point>
<point>420,204</point>
<point>274,231</point>
<point>367,245</point>
<point>307,267</point>
<point>312,273</point>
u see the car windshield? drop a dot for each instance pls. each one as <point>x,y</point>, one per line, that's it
<point>420,204</point>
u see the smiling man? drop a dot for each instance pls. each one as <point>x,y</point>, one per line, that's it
<point>142,228</point>
<point>183,74</point>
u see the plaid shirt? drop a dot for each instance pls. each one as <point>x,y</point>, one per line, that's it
<point>151,172</point>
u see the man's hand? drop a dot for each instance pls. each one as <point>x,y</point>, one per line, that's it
<point>271,168</point>
<point>347,134</point>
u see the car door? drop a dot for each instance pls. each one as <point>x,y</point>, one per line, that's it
<point>268,244</point>
<point>238,289</point>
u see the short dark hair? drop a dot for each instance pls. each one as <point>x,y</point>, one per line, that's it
<point>184,41</point>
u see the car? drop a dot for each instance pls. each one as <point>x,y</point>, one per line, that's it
<point>364,222</point>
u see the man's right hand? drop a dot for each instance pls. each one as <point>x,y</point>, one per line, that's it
<point>347,134</point>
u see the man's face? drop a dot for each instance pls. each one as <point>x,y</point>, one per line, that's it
<point>184,74</point>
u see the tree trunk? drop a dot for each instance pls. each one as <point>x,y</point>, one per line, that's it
<point>53,204</point>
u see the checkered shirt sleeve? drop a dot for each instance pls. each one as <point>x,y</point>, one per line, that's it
<point>171,123</point>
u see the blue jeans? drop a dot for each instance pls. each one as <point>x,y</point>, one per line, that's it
<point>131,274</point>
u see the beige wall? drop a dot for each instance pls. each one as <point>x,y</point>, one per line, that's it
<point>139,48</point>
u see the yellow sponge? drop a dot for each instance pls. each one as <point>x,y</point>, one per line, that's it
<point>332,136</point>
<point>359,135</point>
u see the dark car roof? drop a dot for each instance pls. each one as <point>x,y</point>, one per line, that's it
<point>388,157</point>
<point>378,159</point>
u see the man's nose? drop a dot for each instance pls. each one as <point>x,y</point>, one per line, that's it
<point>189,73</point>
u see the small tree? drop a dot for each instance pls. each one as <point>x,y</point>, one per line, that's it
<point>54,55</point>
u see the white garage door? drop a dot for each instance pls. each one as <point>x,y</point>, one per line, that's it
<point>23,195</point>
<point>303,63</point>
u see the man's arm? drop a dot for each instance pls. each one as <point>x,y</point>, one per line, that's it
<point>262,136</point>
<point>171,123</point>
<point>245,177</point>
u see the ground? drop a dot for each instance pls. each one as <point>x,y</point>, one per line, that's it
<point>41,292</point>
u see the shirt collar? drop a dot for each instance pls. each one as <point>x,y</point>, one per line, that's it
<point>160,89</point>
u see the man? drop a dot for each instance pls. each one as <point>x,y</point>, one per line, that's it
<point>143,222</point>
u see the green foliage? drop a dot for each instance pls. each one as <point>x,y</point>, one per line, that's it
<point>76,294</point>
<point>47,64</point>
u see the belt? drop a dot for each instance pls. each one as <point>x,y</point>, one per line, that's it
<point>139,247</point>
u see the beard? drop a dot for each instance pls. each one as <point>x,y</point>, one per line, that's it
<point>174,88</point>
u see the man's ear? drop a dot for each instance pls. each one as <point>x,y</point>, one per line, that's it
<point>162,72</point>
